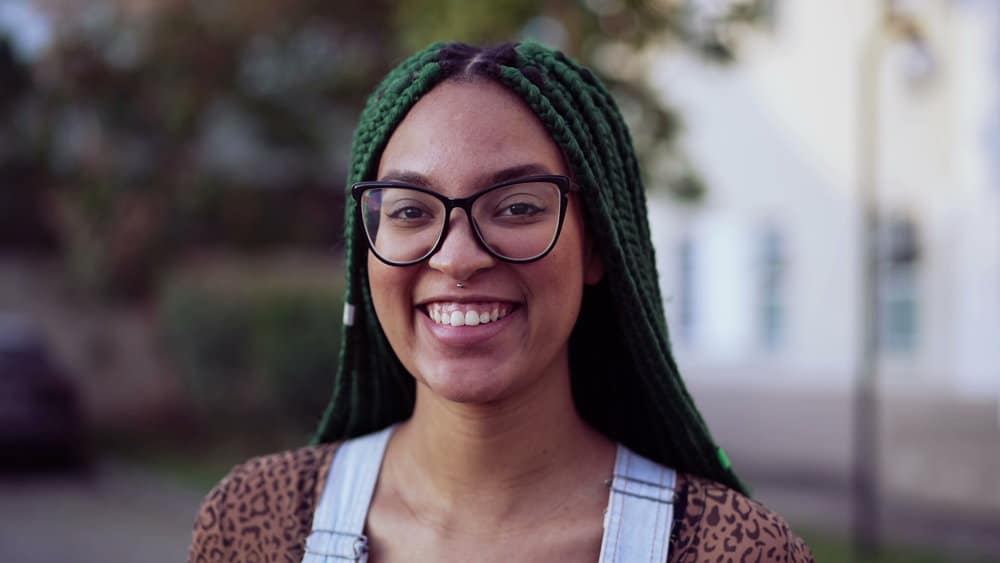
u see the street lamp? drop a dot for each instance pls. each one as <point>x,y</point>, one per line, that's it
<point>893,25</point>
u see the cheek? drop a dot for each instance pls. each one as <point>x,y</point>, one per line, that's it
<point>572,251</point>
<point>390,291</point>
<point>559,277</point>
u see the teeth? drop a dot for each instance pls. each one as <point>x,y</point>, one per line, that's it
<point>462,314</point>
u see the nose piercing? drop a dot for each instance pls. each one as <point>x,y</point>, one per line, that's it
<point>460,285</point>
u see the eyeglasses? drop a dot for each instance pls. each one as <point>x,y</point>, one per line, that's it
<point>515,221</point>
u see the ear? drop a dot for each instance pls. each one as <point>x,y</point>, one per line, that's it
<point>593,267</point>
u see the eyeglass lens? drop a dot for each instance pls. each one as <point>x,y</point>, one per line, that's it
<point>517,221</point>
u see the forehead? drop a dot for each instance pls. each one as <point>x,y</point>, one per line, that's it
<point>461,132</point>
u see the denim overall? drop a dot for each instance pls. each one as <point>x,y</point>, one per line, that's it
<point>637,522</point>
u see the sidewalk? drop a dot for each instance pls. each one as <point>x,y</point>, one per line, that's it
<point>117,514</point>
<point>940,466</point>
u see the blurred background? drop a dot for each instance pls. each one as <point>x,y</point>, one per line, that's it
<point>824,185</point>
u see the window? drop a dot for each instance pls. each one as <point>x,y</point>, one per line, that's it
<point>899,295</point>
<point>771,287</point>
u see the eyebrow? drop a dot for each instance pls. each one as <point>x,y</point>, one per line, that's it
<point>510,173</point>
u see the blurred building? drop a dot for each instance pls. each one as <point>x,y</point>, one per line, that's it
<point>762,279</point>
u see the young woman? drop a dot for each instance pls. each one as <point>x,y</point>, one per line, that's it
<point>506,389</point>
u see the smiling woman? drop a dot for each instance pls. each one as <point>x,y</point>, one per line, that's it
<point>506,389</point>
<point>459,139</point>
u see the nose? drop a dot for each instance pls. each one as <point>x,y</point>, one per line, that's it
<point>460,256</point>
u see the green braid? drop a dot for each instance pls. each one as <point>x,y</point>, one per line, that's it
<point>625,380</point>
<point>639,243</point>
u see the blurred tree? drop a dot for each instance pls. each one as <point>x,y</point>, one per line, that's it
<point>13,74</point>
<point>21,172</point>
<point>613,37</point>
<point>154,123</point>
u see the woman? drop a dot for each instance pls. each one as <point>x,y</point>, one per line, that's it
<point>506,361</point>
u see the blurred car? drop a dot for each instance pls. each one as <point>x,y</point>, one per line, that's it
<point>41,421</point>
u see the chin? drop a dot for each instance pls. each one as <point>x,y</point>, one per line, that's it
<point>466,384</point>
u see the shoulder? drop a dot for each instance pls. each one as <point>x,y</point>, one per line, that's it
<point>718,523</point>
<point>261,510</point>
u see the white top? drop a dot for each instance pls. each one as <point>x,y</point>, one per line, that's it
<point>637,521</point>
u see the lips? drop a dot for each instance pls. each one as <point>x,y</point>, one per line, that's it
<point>477,320</point>
<point>450,313</point>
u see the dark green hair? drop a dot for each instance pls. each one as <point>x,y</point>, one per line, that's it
<point>624,379</point>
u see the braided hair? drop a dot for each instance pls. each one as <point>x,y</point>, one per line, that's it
<point>624,380</point>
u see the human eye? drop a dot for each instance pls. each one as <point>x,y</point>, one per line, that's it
<point>521,209</point>
<point>409,209</point>
<point>409,213</point>
<point>522,206</point>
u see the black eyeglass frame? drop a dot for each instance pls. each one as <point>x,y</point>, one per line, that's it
<point>564,183</point>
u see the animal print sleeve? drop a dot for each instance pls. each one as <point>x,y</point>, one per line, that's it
<point>262,510</point>
<point>721,525</point>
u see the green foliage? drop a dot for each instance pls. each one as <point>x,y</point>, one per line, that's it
<point>608,36</point>
<point>136,112</point>
<point>255,347</point>
<point>424,22</point>
<point>585,25</point>
<point>295,340</point>
<point>193,97</point>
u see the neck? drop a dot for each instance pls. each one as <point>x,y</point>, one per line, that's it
<point>507,457</point>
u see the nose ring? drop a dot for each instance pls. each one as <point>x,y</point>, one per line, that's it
<point>460,285</point>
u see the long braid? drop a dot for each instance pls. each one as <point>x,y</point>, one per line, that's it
<point>371,388</point>
<point>676,394</point>
<point>597,121</point>
<point>625,380</point>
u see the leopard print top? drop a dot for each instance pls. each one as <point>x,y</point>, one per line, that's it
<point>262,512</point>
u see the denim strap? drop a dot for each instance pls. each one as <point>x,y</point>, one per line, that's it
<point>339,521</point>
<point>640,511</point>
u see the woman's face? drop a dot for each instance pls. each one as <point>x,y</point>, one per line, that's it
<point>458,139</point>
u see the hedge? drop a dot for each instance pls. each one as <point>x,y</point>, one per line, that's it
<point>253,349</point>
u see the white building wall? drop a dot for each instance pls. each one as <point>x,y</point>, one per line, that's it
<point>775,137</point>
<point>975,244</point>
